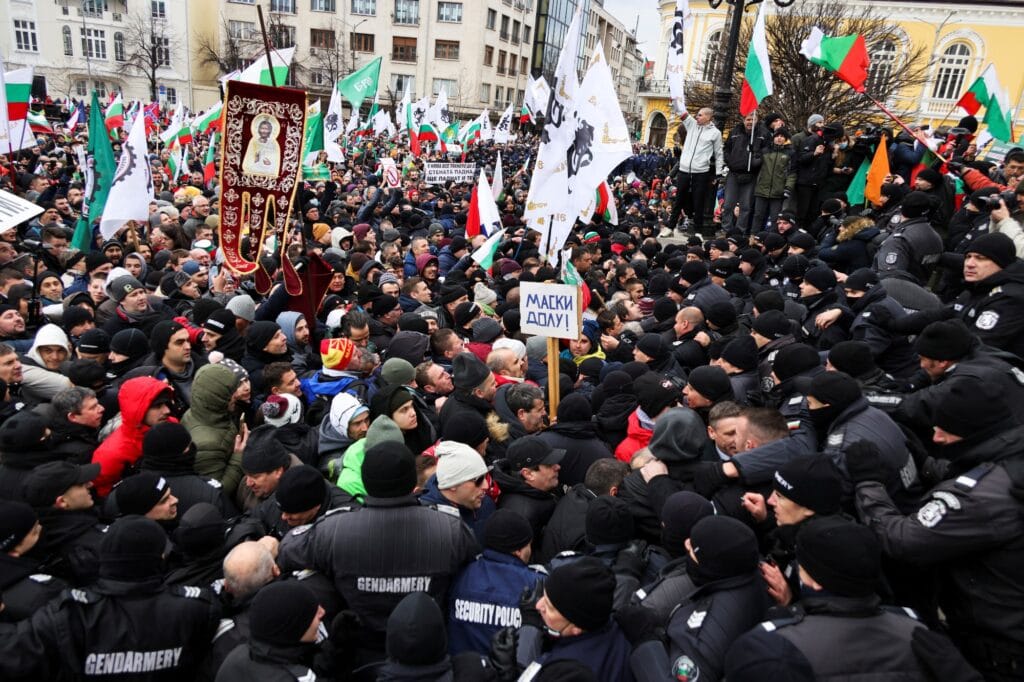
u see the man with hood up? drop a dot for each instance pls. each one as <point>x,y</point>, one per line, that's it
<point>346,422</point>
<point>145,402</point>
<point>678,439</point>
<point>214,428</point>
<point>41,365</point>
<point>297,331</point>
<point>576,433</point>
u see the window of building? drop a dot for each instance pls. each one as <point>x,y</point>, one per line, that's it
<point>504,27</point>
<point>158,9</point>
<point>519,98</point>
<point>93,8</point>
<point>488,55</point>
<point>502,56</point>
<point>319,78</point>
<point>523,68</point>
<point>119,47</point>
<point>172,96</point>
<point>282,36</point>
<point>952,72</point>
<point>322,5</point>
<point>241,30</point>
<point>283,6</point>
<point>407,12</point>
<point>498,92</point>
<point>446,49</point>
<point>25,38</point>
<point>244,2</point>
<point>403,49</point>
<point>320,37</point>
<point>485,92</point>
<point>101,89</point>
<point>450,12</point>
<point>69,43</point>
<point>163,50</point>
<point>361,42</point>
<point>526,34</point>
<point>492,19</point>
<point>511,65</point>
<point>445,85</point>
<point>515,32</point>
<point>368,7</point>
<point>883,58</point>
<point>711,54</point>
<point>401,84</point>
<point>94,43</point>
<point>81,88</point>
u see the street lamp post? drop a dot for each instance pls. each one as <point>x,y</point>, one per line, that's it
<point>723,88</point>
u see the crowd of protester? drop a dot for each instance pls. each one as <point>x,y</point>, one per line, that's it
<point>789,441</point>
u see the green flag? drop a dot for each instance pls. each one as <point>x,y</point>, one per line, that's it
<point>855,192</point>
<point>360,84</point>
<point>101,156</point>
<point>313,144</point>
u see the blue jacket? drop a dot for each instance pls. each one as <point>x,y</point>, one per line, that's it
<point>605,651</point>
<point>474,519</point>
<point>446,260</point>
<point>485,598</point>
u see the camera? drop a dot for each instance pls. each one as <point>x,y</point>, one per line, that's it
<point>1009,198</point>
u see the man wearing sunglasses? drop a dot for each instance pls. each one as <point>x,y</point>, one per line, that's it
<point>460,485</point>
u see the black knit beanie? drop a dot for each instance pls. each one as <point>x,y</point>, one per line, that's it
<point>812,481</point>
<point>582,592</point>
<point>416,631</point>
<point>389,470</point>
<point>282,612</point>
<point>608,521</point>
<point>506,531</point>
<point>842,556</point>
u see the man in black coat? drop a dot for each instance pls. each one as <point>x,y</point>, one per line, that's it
<point>566,530</point>
<point>528,478</point>
<point>25,588</point>
<point>576,433</point>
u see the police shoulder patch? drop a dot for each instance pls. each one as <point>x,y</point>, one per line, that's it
<point>299,530</point>
<point>41,578</point>
<point>214,483</point>
<point>225,626</point>
<point>1018,375</point>
<point>949,499</point>
<point>449,510</point>
<point>696,619</point>
<point>987,320</point>
<point>685,669</point>
<point>931,514</point>
<point>835,440</point>
<point>891,258</point>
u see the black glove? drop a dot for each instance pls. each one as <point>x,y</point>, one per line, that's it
<point>954,167</point>
<point>864,463</point>
<point>337,652</point>
<point>503,654</point>
<point>528,605</point>
<point>638,623</point>
<point>708,478</point>
<point>936,654</point>
<point>629,561</point>
<point>881,316</point>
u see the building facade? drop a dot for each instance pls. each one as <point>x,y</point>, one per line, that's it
<point>960,40</point>
<point>624,58</point>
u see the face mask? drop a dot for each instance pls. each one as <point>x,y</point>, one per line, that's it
<point>823,417</point>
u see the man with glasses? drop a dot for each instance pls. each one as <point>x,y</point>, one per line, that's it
<point>460,485</point>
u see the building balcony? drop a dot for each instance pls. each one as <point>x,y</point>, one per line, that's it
<point>653,88</point>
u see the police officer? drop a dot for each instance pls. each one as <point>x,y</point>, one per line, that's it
<point>25,587</point>
<point>840,565</point>
<point>393,546</point>
<point>912,245</point>
<point>969,528</point>
<point>729,599</point>
<point>992,302</point>
<point>284,627</point>
<point>485,595</point>
<point>865,297</point>
<point>108,628</point>
<point>301,497</point>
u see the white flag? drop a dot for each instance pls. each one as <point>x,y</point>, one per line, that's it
<point>421,112</point>
<point>503,131</point>
<point>601,141</point>
<point>439,114</point>
<point>382,123</point>
<point>332,127</point>
<point>490,218</point>
<point>174,127</point>
<point>353,123</point>
<point>498,182</point>
<point>538,92</point>
<point>486,131</point>
<point>132,187</point>
<point>400,115</point>
<point>676,67</point>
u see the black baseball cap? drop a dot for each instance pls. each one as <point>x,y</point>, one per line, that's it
<point>530,451</point>
<point>48,481</point>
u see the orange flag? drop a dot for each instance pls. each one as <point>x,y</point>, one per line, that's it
<point>876,174</point>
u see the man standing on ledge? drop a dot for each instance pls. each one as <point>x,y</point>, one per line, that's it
<point>694,173</point>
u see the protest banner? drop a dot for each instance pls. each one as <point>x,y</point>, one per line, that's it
<point>437,173</point>
<point>554,311</point>
<point>15,210</point>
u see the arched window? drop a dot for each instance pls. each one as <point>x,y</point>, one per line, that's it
<point>952,72</point>
<point>711,56</point>
<point>883,59</point>
<point>69,48</point>
<point>657,130</point>
<point>119,47</point>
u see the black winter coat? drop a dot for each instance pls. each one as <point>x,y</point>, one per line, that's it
<point>582,448</point>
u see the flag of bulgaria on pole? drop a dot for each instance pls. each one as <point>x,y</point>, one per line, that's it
<point>15,93</point>
<point>259,72</point>
<point>410,127</point>
<point>37,121</point>
<point>606,204</point>
<point>980,92</point>
<point>471,133</point>
<point>998,117</point>
<point>757,78</point>
<point>174,163</point>
<point>485,254</point>
<point>210,162</point>
<point>114,116</point>
<point>846,56</point>
<point>211,120</point>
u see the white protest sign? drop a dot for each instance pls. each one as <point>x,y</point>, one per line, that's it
<point>550,310</point>
<point>392,178</point>
<point>14,210</point>
<point>436,173</point>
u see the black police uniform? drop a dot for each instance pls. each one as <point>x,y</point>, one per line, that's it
<point>136,630</point>
<point>25,587</point>
<point>994,309</point>
<point>378,554</point>
<point>971,530</point>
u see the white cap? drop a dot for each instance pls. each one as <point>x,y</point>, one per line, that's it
<point>457,463</point>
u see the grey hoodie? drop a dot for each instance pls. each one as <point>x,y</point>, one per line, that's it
<point>41,384</point>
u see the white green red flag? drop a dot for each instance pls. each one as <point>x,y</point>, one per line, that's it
<point>485,254</point>
<point>211,119</point>
<point>15,93</point>
<point>980,92</point>
<point>606,204</point>
<point>38,123</point>
<point>210,161</point>
<point>757,77</point>
<point>113,117</point>
<point>845,56</point>
<point>259,70</point>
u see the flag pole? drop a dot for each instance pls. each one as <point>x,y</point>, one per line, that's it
<point>899,122</point>
<point>266,46</point>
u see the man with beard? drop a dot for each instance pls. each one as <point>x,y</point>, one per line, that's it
<point>171,361</point>
<point>134,308</point>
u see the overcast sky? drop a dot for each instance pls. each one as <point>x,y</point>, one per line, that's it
<point>627,11</point>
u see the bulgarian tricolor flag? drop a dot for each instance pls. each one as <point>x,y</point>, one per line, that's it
<point>998,116</point>
<point>485,254</point>
<point>177,162</point>
<point>524,114</point>
<point>757,78</point>
<point>472,132</point>
<point>606,204</point>
<point>846,56</point>
<point>211,120</point>
<point>37,121</point>
<point>209,162</point>
<point>980,92</point>
<point>113,117</point>
<point>410,127</point>
<point>18,92</point>
<point>427,132</point>
<point>259,71</point>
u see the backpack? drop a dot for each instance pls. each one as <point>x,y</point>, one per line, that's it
<point>320,393</point>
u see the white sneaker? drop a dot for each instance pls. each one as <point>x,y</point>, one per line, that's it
<point>665,232</point>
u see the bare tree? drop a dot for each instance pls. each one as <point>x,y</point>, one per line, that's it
<point>802,88</point>
<point>328,60</point>
<point>149,45</point>
<point>226,50</point>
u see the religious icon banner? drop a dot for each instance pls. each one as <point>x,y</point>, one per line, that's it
<point>261,155</point>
